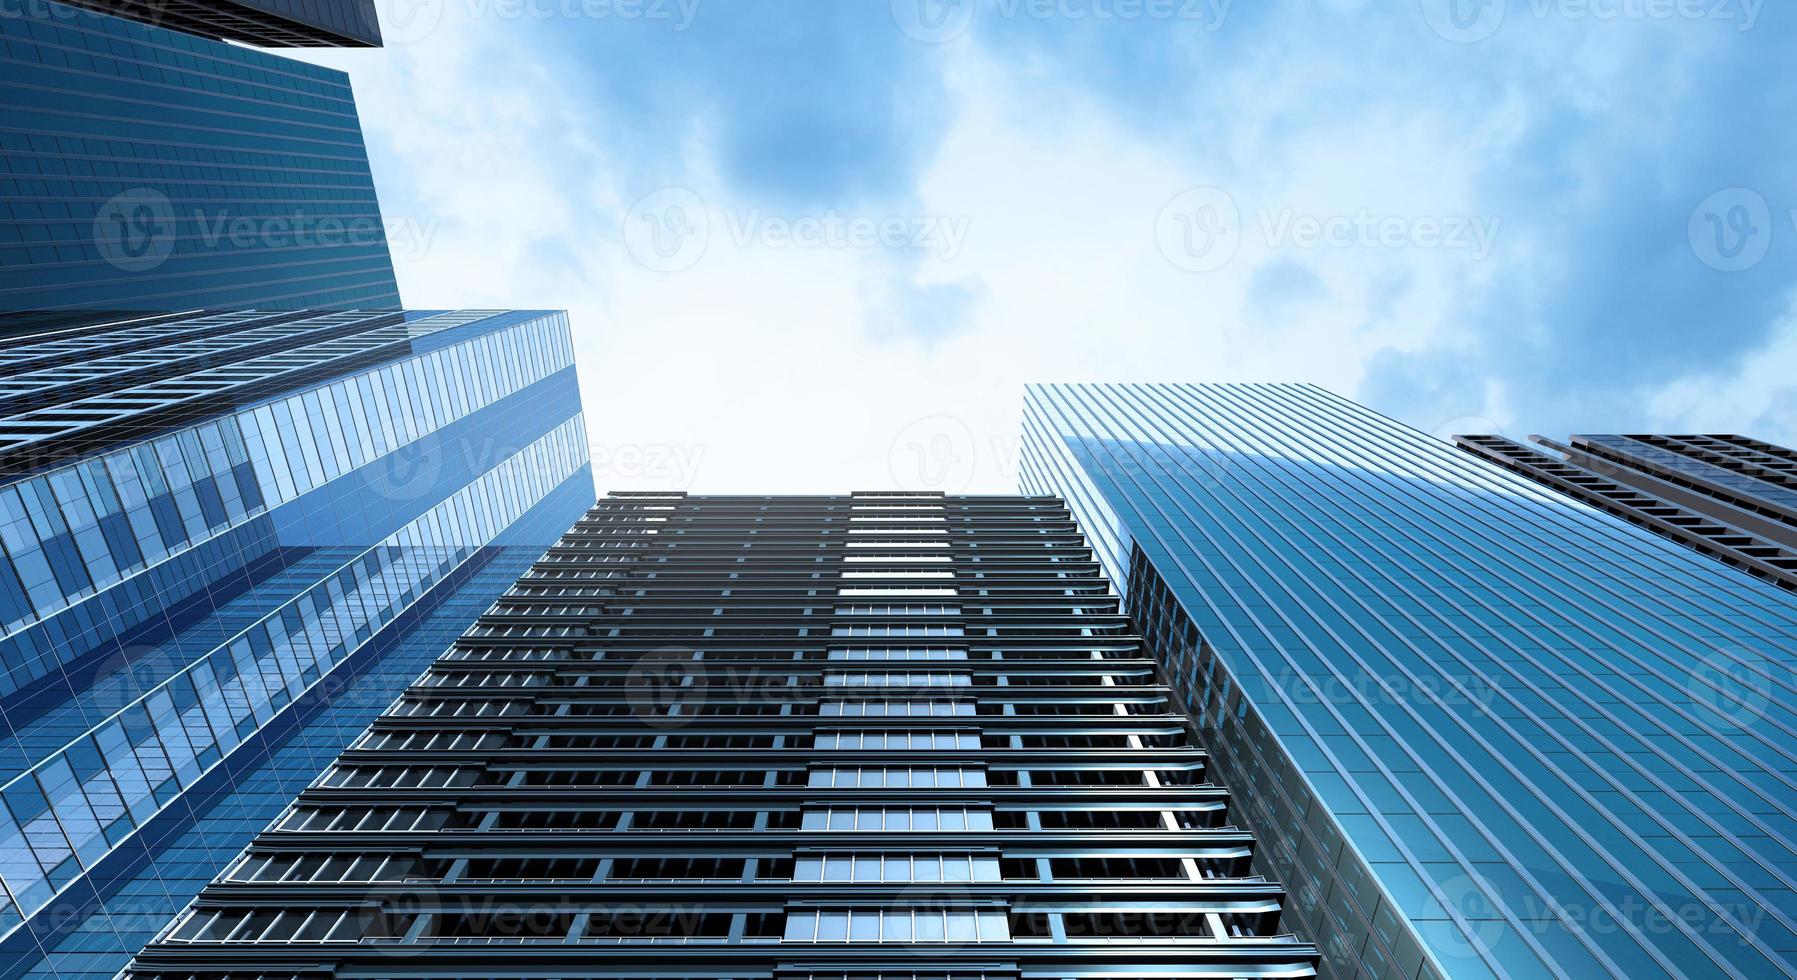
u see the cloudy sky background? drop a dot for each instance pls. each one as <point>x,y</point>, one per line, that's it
<point>820,246</point>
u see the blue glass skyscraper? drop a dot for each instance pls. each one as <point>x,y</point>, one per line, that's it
<point>268,23</point>
<point>146,169</point>
<point>1480,728</point>
<point>229,538</point>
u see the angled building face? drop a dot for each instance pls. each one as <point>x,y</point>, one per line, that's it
<point>265,23</point>
<point>1730,497</point>
<point>1479,729</point>
<point>210,524</point>
<point>147,170</point>
<point>747,737</point>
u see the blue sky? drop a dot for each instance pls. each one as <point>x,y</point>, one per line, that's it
<point>822,245</point>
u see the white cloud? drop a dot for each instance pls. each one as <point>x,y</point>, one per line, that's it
<point>760,369</point>
<point>1760,388</point>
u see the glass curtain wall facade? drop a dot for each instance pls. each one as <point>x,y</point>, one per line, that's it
<point>1480,728</point>
<point>265,23</point>
<point>882,735</point>
<point>146,169</point>
<point>205,518</point>
<point>177,857</point>
<point>1729,497</point>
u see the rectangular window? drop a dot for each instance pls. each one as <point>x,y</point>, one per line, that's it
<point>897,653</point>
<point>895,678</point>
<point>896,867</point>
<point>896,709</point>
<point>952,819</point>
<point>897,926</point>
<point>898,592</point>
<point>896,518</point>
<point>923,609</point>
<point>857,777</point>
<point>886,741</point>
<point>932,629</point>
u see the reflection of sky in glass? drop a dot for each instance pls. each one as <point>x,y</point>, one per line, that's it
<point>66,813</point>
<point>164,601</point>
<point>103,942</point>
<point>1485,683</point>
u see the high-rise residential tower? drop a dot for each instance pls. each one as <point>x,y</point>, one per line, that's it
<point>873,736</point>
<point>1479,728</point>
<point>229,540</point>
<point>1731,497</point>
<point>144,169</point>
